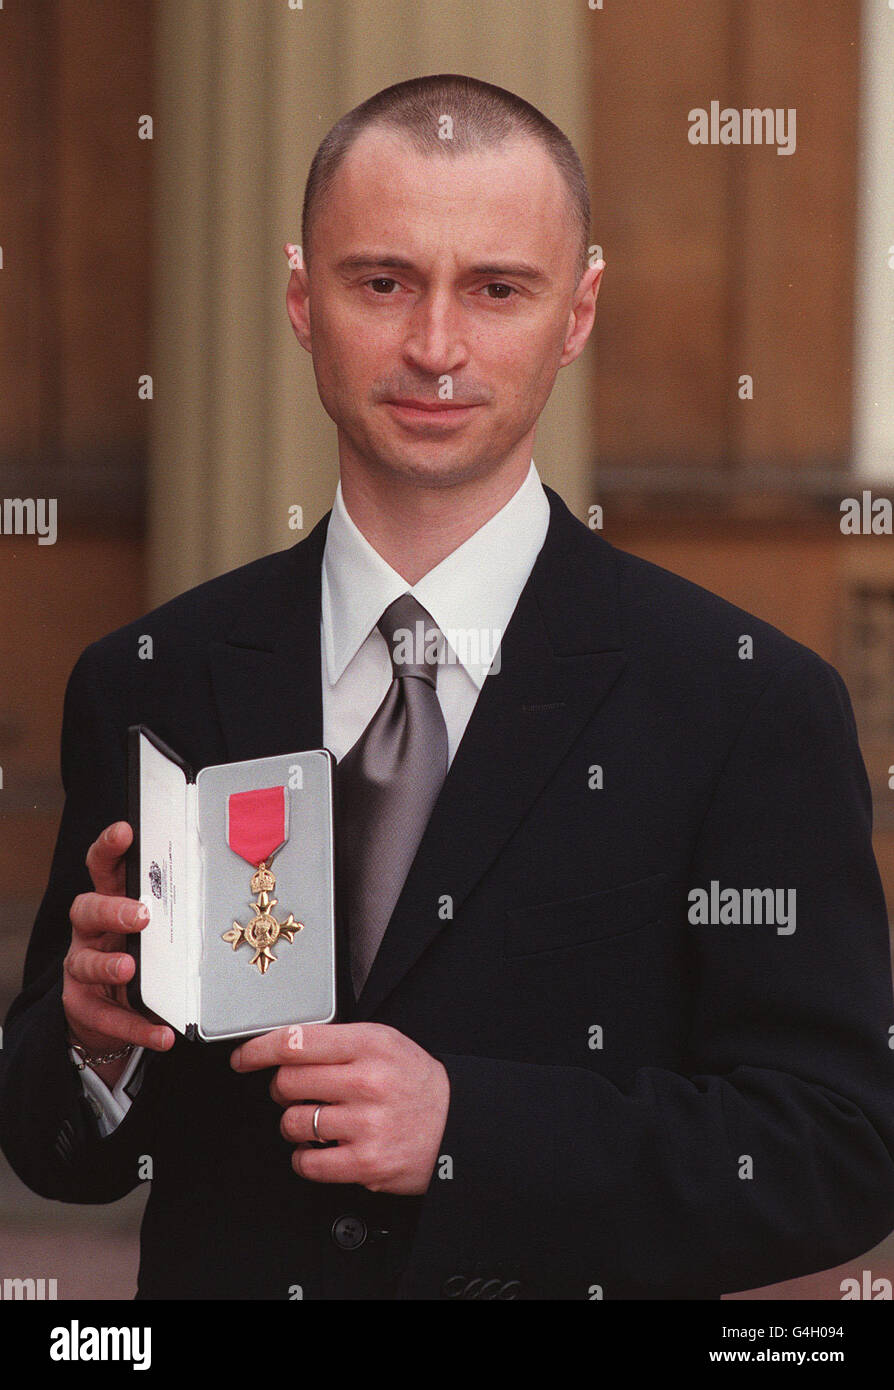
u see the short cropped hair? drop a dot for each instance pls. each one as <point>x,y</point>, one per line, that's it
<point>482,115</point>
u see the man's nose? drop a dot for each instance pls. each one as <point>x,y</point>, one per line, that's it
<point>436,340</point>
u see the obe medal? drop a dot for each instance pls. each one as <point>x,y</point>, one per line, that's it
<point>256,830</point>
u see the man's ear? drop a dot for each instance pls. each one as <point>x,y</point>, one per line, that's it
<point>583,312</point>
<point>298,296</point>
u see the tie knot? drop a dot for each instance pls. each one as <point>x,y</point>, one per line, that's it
<point>414,639</point>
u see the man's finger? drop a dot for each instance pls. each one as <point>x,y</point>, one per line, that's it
<point>333,1122</point>
<point>314,1081</point>
<point>327,1165</point>
<point>112,1021</point>
<point>105,857</point>
<point>93,914</point>
<point>308,1042</point>
<point>90,967</point>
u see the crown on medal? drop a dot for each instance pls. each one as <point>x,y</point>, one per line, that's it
<point>262,881</point>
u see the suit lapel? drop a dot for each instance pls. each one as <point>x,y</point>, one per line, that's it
<point>266,676</point>
<point>560,655</point>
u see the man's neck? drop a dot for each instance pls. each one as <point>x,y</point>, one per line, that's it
<point>415,528</point>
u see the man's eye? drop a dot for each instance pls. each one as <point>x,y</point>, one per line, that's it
<point>383,285</point>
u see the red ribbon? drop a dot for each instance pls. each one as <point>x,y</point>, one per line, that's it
<point>257,823</point>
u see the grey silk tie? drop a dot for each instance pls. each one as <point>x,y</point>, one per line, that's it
<point>389,780</point>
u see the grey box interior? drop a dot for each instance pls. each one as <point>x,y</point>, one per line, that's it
<point>299,986</point>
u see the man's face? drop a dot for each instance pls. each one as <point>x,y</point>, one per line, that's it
<point>445,282</point>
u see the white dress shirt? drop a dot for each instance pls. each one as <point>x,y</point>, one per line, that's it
<point>471,595</point>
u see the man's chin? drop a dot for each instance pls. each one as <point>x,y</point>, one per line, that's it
<point>433,465</point>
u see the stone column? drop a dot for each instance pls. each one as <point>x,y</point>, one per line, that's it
<point>874,346</point>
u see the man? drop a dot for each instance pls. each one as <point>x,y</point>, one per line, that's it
<point>626,1033</point>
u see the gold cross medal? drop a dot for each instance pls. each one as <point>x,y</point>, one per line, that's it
<point>256,830</point>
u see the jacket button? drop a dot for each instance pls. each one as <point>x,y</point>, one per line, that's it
<point>349,1232</point>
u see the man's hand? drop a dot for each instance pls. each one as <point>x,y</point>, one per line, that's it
<point>385,1100</point>
<point>95,971</point>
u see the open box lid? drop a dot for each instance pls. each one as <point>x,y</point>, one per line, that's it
<point>161,796</point>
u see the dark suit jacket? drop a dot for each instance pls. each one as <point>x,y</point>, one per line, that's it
<point>580,1159</point>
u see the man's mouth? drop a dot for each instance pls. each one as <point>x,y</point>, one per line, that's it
<point>430,412</point>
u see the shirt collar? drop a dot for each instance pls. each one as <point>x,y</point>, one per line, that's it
<point>473,590</point>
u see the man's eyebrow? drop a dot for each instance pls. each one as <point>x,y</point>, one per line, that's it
<point>517,270</point>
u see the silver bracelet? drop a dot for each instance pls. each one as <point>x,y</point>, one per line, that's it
<point>98,1059</point>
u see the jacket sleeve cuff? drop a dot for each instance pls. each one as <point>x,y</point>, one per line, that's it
<point>109,1104</point>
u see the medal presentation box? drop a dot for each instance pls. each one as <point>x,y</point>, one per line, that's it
<point>236,867</point>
